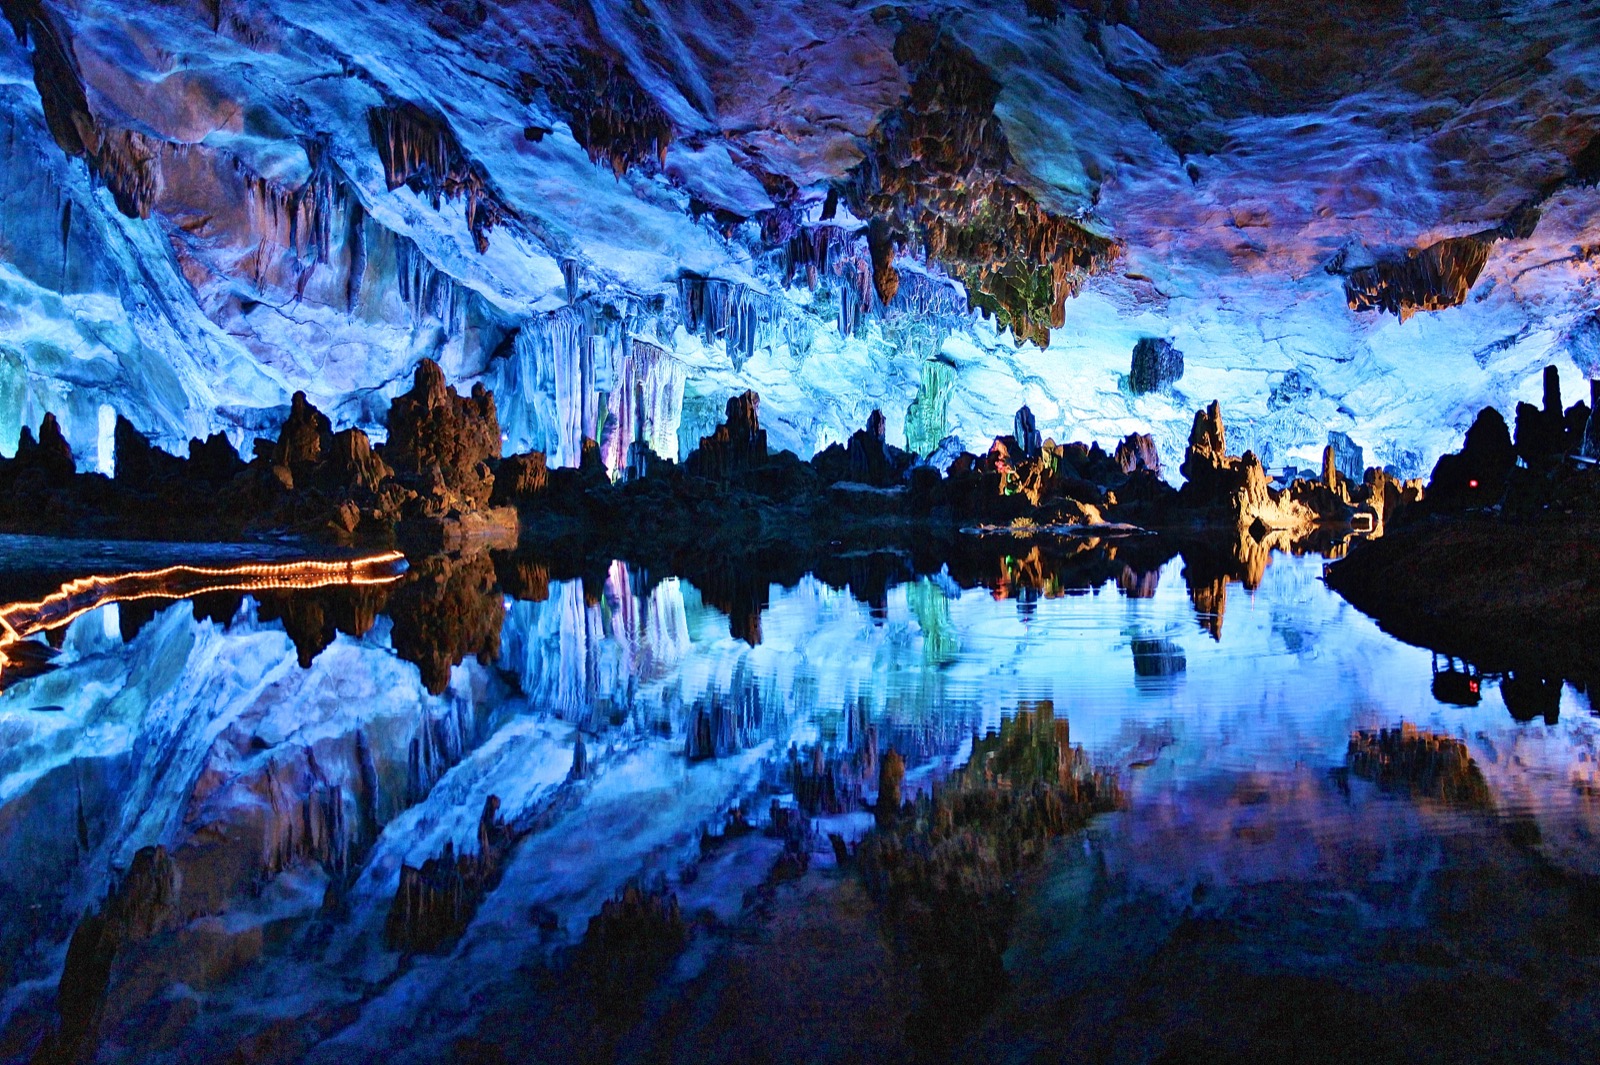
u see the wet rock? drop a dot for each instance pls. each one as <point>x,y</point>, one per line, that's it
<point>1157,366</point>
<point>1238,487</point>
<point>139,464</point>
<point>352,463</point>
<point>1590,448</point>
<point>869,458</point>
<point>214,460</point>
<point>1541,435</point>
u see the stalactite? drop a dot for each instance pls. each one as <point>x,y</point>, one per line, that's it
<point>935,175</point>
<point>713,308</point>
<point>421,152</point>
<point>646,405</point>
<point>841,262</point>
<point>611,116</point>
<point>545,386</point>
<point>128,165</point>
<point>426,289</point>
<point>301,218</point>
<point>1431,279</point>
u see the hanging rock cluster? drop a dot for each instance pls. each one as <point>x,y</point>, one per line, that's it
<point>420,151</point>
<point>611,116</point>
<point>936,177</point>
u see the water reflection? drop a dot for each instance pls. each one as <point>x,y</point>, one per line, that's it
<point>430,819</point>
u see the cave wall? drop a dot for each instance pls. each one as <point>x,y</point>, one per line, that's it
<point>618,214</point>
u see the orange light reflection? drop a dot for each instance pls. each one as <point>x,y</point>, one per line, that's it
<point>19,621</point>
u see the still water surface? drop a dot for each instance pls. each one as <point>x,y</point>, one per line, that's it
<point>1283,877</point>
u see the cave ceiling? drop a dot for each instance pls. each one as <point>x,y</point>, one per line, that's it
<point>1368,217</point>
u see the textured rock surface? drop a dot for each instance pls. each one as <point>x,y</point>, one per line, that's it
<point>618,215</point>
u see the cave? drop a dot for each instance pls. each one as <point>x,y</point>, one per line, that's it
<point>736,530</point>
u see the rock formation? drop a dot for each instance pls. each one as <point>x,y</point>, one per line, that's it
<point>1235,486</point>
<point>1157,366</point>
<point>1476,475</point>
<point>738,444</point>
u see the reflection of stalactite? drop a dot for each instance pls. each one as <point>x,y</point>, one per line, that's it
<point>433,904</point>
<point>1425,764</point>
<point>317,832</point>
<point>726,722</point>
<point>421,152</point>
<point>143,903</point>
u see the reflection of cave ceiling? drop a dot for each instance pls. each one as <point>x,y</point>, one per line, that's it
<point>1370,217</point>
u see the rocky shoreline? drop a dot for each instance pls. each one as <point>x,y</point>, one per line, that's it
<point>1493,559</point>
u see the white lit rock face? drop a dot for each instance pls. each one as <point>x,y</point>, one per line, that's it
<point>613,217</point>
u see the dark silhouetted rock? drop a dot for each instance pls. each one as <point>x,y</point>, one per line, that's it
<point>738,444</point>
<point>1475,475</point>
<point>50,455</point>
<point>1157,366</point>
<point>214,460</point>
